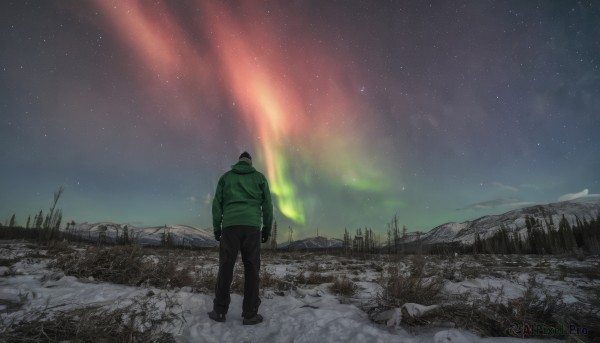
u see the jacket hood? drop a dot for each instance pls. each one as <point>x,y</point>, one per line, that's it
<point>242,168</point>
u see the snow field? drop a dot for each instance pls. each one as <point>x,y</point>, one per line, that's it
<point>308,313</point>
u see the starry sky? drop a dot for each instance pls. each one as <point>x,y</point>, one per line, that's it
<point>356,111</point>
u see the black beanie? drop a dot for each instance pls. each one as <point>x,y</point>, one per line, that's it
<point>245,155</point>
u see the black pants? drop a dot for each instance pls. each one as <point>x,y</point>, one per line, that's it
<point>234,239</point>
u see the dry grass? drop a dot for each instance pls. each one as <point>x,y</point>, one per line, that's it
<point>145,319</point>
<point>314,267</point>
<point>496,318</point>
<point>588,272</point>
<point>415,286</point>
<point>59,247</point>
<point>268,280</point>
<point>7,262</point>
<point>343,286</point>
<point>376,266</point>
<point>205,281</point>
<point>125,265</point>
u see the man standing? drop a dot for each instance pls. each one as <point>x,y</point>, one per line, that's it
<point>241,206</point>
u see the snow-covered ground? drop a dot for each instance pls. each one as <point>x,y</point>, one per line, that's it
<point>308,313</point>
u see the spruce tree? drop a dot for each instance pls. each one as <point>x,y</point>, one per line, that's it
<point>102,234</point>
<point>395,232</point>
<point>346,243</point>
<point>389,240</point>
<point>125,238</point>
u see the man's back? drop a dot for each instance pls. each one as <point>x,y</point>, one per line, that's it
<point>242,198</point>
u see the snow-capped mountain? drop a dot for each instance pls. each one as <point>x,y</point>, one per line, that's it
<point>514,220</point>
<point>180,235</point>
<point>319,242</point>
<point>464,232</point>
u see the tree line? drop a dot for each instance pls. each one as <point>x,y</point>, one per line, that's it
<point>43,227</point>
<point>541,236</point>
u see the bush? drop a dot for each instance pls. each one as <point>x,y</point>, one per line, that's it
<point>533,309</point>
<point>414,286</point>
<point>313,278</point>
<point>205,281</point>
<point>118,265</point>
<point>343,286</point>
<point>125,265</point>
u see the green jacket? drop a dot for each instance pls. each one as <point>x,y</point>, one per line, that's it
<point>242,198</point>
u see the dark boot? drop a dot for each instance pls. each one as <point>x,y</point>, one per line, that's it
<point>253,320</point>
<point>217,317</point>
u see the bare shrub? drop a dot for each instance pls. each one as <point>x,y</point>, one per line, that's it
<point>56,247</point>
<point>285,284</point>
<point>205,281</point>
<point>414,286</point>
<point>356,268</point>
<point>267,279</point>
<point>7,262</point>
<point>589,272</point>
<point>450,273</point>
<point>145,319</point>
<point>343,286</point>
<point>471,271</point>
<point>314,267</point>
<point>318,278</point>
<point>533,309</point>
<point>118,265</point>
<point>125,265</point>
<point>376,266</point>
<point>10,306</point>
<point>313,278</point>
<point>167,274</point>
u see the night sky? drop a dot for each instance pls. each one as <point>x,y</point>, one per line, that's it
<point>355,111</point>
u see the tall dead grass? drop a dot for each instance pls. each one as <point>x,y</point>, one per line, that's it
<point>146,318</point>
<point>126,265</point>
<point>536,308</point>
<point>344,287</point>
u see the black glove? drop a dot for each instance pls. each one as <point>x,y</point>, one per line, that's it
<point>217,235</point>
<point>265,236</point>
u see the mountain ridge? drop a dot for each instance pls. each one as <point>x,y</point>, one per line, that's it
<point>514,220</point>
<point>451,232</point>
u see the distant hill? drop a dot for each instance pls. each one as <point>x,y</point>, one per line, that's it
<point>319,242</point>
<point>514,220</point>
<point>464,232</point>
<point>180,235</point>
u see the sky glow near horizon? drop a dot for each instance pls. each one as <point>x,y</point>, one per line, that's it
<point>354,111</point>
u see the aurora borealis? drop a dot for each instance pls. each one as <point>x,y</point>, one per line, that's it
<point>354,110</point>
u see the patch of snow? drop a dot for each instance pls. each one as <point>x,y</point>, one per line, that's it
<point>417,310</point>
<point>391,317</point>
